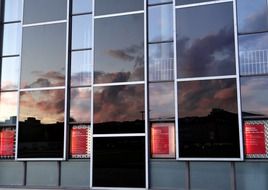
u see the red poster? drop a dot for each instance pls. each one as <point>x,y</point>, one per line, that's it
<point>7,140</point>
<point>255,138</point>
<point>80,141</point>
<point>160,140</point>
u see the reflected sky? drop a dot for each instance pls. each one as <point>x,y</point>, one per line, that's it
<point>9,73</point>
<point>45,105</point>
<point>82,6</point>
<point>119,49</point>
<point>12,10</point>
<point>12,39</point>
<point>43,56</point>
<point>198,98</point>
<point>161,101</point>
<point>80,105</point>
<point>205,41</point>
<point>253,42</point>
<point>8,107</point>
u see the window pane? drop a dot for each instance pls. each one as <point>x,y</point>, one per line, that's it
<point>252,16</point>
<point>152,2</point>
<point>82,6</point>
<point>205,38</point>
<point>117,6</point>
<point>119,49</point>
<point>41,126</point>
<point>119,109</point>
<point>12,39</point>
<point>7,142</point>
<point>43,56</point>
<point>8,108</point>
<point>253,54</point>
<point>81,68</point>
<point>208,123</point>
<point>160,23</point>
<point>80,105</point>
<point>10,73</point>
<point>81,31</point>
<point>12,10</point>
<point>161,101</point>
<point>119,162</point>
<point>36,11</point>
<point>80,141</point>
<point>182,2</point>
<point>161,62</point>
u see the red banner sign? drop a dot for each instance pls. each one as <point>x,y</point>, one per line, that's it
<point>7,140</point>
<point>80,141</point>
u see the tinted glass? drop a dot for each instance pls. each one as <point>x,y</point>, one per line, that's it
<point>10,73</point>
<point>152,2</point>
<point>254,94</point>
<point>119,162</point>
<point>160,23</point>
<point>81,31</point>
<point>123,107</point>
<point>119,49</point>
<point>208,123</point>
<point>43,56</point>
<point>12,10</point>
<point>253,54</point>
<point>41,124</point>
<point>44,11</point>
<point>8,108</point>
<point>117,6</point>
<point>80,105</point>
<point>82,6</point>
<point>81,68</point>
<point>252,16</point>
<point>161,101</point>
<point>161,62</point>
<point>205,41</point>
<point>12,39</point>
<point>182,2</point>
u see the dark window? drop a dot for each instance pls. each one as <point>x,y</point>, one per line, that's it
<point>44,11</point>
<point>10,73</point>
<point>152,2</point>
<point>12,39</point>
<point>182,2</point>
<point>81,31</point>
<point>82,6</point>
<point>119,162</point>
<point>208,119</point>
<point>43,56</point>
<point>160,20</point>
<point>161,62</point>
<point>119,49</point>
<point>41,124</point>
<point>252,16</point>
<point>80,105</point>
<point>205,41</point>
<point>8,108</point>
<point>119,109</point>
<point>116,6</point>
<point>12,10</point>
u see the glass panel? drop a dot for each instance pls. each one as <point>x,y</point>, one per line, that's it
<point>10,73</point>
<point>7,142</point>
<point>160,23</point>
<point>81,68</point>
<point>119,162</point>
<point>116,6</point>
<point>81,31</point>
<point>208,123</point>
<point>252,16</point>
<point>119,109</point>
<point>41,126</point>
<point>80,105</point>
<point>161,101</point>
<point>253,54</point>
<point>12,39</point>
<point>82,6</point>
<point>182,2</point>
<point>36,11</point>
<point>12,10</point>
<point>80,141</point>
<point>161,62</point>
<point>119,49</point>
<point>43,56</point>
<point>205,38</point>
<point>152,2</point>
<point>8,108</point>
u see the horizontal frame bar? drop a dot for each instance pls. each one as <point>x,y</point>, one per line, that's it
<point>120,135</point>
<point>206,78</point>
<point>44,23</point>
<point>203,3</point>
<point>42,88</point>
<point>119,14</point>
<point>118,84</point>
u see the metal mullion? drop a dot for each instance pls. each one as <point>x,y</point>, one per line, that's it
<point>7,56</point>
<point>81,86</point>
<point>11,90</point>
<point>81,49</point>
<point>45,23</point>
<point>159,4</point>
<point>202,4</point>
<point>207,78</point>
<point>80,14</point>
<point>160,42</point>
<point>118,84</point>
<point>119,135</point>
<point>42,88</point>
<point>119,14</point>
<point>11,22</point>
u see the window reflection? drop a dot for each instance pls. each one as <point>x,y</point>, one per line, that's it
<point>182,2</point>
<point>12,39</point>
<point>81,68</point>
<point>208,123</point>
<point>119,49</point>
<point>8,108</point>
<point>82,6</point>
<point>160,23</point>
<point>12,10</point>
<point>205,38</point>
<point>119,109</point>
<point>81,31</point>
<point>9,73</point>
<point>80,105</point>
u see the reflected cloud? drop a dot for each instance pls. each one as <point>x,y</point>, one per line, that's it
<point>8,107</point>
